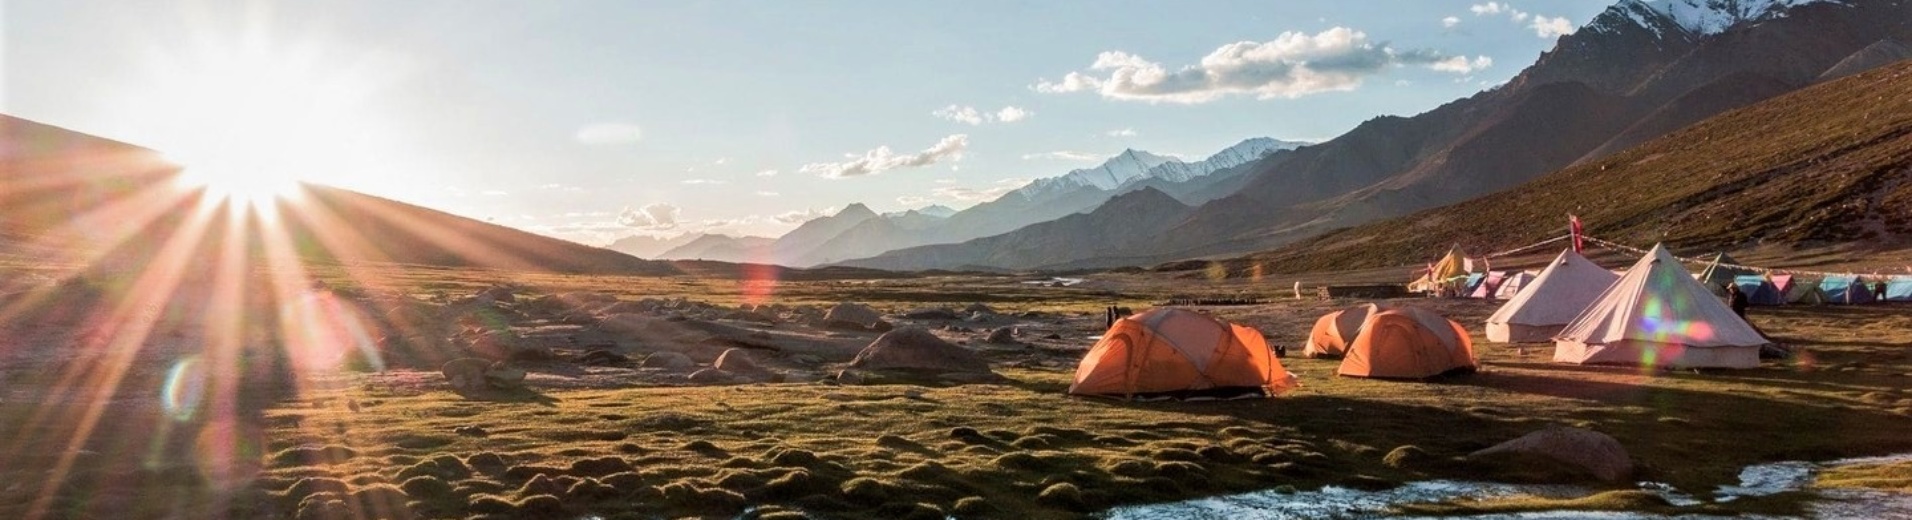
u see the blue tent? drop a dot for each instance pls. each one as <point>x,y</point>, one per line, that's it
<point>1899,289</point>
<point>1759,290</point>
<point>1846,289</point>
<point>1473,280</point>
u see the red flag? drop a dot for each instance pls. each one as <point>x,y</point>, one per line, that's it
<point>1574,221</point>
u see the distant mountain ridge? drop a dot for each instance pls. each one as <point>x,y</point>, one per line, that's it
<point>1635,72</point>
<point>861,233</point>
<point>648,246</point>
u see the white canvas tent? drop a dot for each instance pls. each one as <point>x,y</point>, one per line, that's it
<point>1513,282</point>
<point>1658,315</point>
<point>1545,305</point>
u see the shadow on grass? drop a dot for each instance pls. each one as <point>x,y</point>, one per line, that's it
<point>1696,439</point>
<point>508,395</point>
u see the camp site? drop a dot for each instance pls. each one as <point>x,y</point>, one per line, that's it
<point>910,259</point>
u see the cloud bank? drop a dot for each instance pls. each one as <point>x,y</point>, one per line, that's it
<point>1293,65</point>
<point>882,159</point>
<point>654,217</point>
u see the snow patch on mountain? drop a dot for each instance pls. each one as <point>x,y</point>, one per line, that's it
<point>1696,18</point>
<point>1135,165</point>
<point>1709,17</point>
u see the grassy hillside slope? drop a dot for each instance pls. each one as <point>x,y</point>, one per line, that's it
<point>1825,165</point>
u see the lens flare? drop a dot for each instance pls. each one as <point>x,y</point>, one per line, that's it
<point>185,389</point>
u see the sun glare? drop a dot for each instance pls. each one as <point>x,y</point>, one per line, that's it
<point>248,124</point>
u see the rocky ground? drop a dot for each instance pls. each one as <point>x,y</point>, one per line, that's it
<point>576,402</point>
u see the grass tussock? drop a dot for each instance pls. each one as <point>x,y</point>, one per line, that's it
<point>1892,476</point>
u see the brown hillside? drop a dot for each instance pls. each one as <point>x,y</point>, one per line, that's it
<point>67,197</point>
<point>1828,164</point>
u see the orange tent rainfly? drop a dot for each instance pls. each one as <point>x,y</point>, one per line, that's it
<point>1167,352</point>
<point>1408,343</point>
<point>1334,331</point>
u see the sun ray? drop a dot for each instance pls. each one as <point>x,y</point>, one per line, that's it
<point>122,333</point>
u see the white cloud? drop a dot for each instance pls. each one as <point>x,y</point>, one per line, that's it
<point>802,215</point>
<point>657,217</point>
<point>912,200</point>
<point>1543,26</point>
<point>767,173</point>
<point>992,192</point>
<point>1126,132</point>
<point>761,193</point>
<point>1552,27</point>
<point>970,115</point>
<point>960,114</point>
<point>1292,65</point>
<point>1064,155</point>
<point>604,134</point>
<point>882,159</point>
<point>1489,8</point>
<point>721,161</point>
<point>494,193</point>
<point>1461,65</point>
<point>1450,22</point>
<point>946,181</point>
<point>703,181</point>
<point>1012,114</point>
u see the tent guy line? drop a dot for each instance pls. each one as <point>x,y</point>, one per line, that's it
<point>1638,251</point>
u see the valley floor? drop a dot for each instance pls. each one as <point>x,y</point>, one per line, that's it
<point>99,443</point>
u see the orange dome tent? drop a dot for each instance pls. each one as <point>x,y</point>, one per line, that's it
<point>1335,331</point>
<point>1168,352</point>
<point>1408,343</point>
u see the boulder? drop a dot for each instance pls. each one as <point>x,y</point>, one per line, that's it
<point>975,308</point>
<point>497,294</point>
<point>1004,335</point>
<point>500,375</point>
<point>709,376</point>
<point>737,361</point>
<point>668,360</point>
<point>914,348</point>
<point>1597,453</point>
<point>466,375</point>
<point>849,315</point>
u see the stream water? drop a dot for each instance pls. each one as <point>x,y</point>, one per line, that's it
<point>1337,502</point>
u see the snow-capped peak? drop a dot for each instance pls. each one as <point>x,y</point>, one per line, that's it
<point>1709,17</point>
<point>1135,165</point>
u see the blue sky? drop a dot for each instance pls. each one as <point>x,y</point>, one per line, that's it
<point>571,118</point>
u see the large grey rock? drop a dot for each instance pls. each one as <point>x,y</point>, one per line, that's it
<point>737,361</point>
<point>913,348</point>
<point>852,316</point>
<point>1598,453</point>
<point>466,375</point>
<point>931,314</point>
<point>1004,335</point>
<point>709,376</point>
<point>668,360</point>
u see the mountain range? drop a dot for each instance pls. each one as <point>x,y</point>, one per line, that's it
<point>857,232</point>
<point>1635,72</point>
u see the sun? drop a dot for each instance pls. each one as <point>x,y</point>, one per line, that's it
<point>249,123</point>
